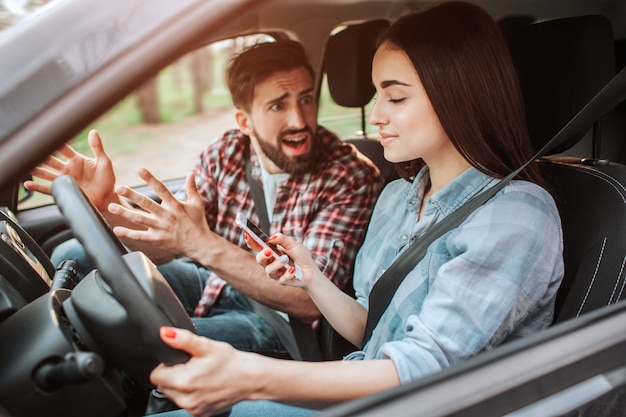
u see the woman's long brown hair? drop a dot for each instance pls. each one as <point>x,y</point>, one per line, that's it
<point>466,68</point>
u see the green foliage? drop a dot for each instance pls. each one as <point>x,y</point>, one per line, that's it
<point>175,95</point>
<point>113,125</point>
<point>125,133</point>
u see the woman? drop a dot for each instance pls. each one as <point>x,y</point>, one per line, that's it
<point>450,115</point>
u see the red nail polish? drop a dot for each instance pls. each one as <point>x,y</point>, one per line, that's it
<point>267,252</point>
<point>292,270</point>
<point>168,332</point>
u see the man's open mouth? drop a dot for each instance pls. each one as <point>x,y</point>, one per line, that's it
<point>297,143</point>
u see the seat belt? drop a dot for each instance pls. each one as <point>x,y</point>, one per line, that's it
<point>384,289</point>
<point>386,286</point>
<point>301,342</point>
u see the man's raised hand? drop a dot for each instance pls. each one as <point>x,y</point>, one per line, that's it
<point>95,176</point>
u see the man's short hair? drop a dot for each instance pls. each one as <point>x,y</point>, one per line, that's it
<point>258,62</point>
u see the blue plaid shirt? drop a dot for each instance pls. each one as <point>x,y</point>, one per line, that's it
<point>490,280</point>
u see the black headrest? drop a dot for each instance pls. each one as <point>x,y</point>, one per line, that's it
<point>348,63</point>
<point>562,64</point>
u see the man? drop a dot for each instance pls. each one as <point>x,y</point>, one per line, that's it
<point>316,189</point>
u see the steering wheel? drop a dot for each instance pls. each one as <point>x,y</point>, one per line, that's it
<point>22,261</point>
<point>124,302</point>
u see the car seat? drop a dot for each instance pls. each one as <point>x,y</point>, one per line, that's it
<point>562,64</point>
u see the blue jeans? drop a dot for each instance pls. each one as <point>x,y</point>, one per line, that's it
<point>254,408</point>
<point>231,320</point>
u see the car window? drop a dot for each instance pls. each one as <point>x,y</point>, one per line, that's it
<point>165,123</point>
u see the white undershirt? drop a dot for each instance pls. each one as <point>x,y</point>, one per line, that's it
<point>271,182</point>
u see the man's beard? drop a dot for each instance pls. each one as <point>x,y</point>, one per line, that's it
<point>294,165</point>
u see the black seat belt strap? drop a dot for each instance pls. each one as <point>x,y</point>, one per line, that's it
<point>386,286</point>
<point>301,342</point>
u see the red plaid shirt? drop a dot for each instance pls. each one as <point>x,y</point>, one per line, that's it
<point>328,209</point>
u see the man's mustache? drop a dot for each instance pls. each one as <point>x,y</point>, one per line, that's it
<point>295,132</point>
